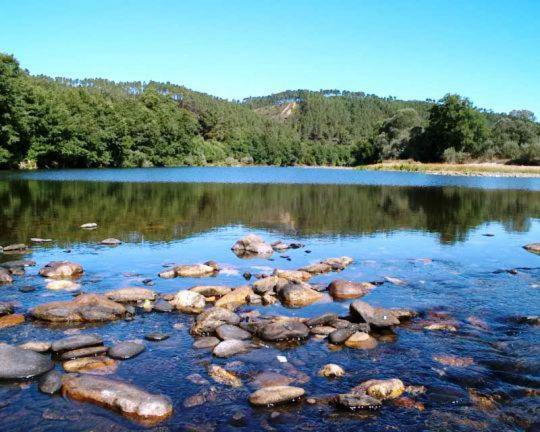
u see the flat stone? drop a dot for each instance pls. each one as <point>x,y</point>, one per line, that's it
<point>271,379</point>
<point>126,350</point>
<point>341,289</point>
<point>228,331</point>
<point>131,294</point>
<point>293,275</point>
<point>18,363</point>
<point>15,247</point>
<point>111,242</point>
<point>61,270</point>
<point>195,270</point>
<point>17,264</point>
<point>84,352</point>
<point>322,330</point>
<point>51,382</point>
<point>223,376</point>
<point>322,320</point>
<point>89,225</point>
<point>355,401</point>
<point>230,347</point>
<point>62,285</point>
<point>284,329</point>
<point>252,245</point>
<point>75,342</point>
<point>156,336</point>
<point>275,395</point>
<point>206,342</point>
<point>211,290</point>
<point>139,405</point>
<point>98,365</point>
<point>531,247</point>
<point>339,336</point>
<point>455,361</point>
<point>37,346</point>
<point>40,240</point>
<point>378,317</point>
<point>84,308</point>
<point>11,320</point>
<point>236,298</point>
<point>162,306</point>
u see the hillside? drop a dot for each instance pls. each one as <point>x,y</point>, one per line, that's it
<point>59,122</point>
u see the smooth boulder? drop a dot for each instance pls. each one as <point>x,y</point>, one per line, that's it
<point>252,245</point>
<point>131,294</point>
<point>18,363</point>
<point>51,382</point>
<point>275,395</point>
<point>61,270</point>
<point>378,317</point>
<point>230,347</point>
<point>125,350</point>
<point>76,342</point>
<point>139,405</point>
<point>298,295</point>
<point>341,289</point>
<point>189,302</point>
<point>284,329</point>
<point>84,308</point>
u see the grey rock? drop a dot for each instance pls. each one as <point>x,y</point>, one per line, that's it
<point>51,382</point>
<point>228,331</point>
<point>230,347</point>
<point>76,341</point>
<point>126,350</point>
<point>18,363</point>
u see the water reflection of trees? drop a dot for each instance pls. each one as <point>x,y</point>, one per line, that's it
<point>170,210</point>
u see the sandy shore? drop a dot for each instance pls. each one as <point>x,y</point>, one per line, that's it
<point>486,169</point>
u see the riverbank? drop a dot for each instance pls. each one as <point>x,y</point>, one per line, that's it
<point>487,169</point>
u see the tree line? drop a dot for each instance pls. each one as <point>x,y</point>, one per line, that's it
<point>59,122</point>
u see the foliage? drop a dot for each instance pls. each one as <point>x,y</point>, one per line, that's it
<point>61,122</point>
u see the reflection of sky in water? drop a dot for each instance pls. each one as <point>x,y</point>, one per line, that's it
<point>279,175</point>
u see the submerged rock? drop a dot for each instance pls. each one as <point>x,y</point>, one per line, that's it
<point>61,270</point>
<point>451,360</point>
<point>125,350</point>
<point>75,342</point>
<point>96,365</point>
<point>378,317</point>
<point>275,395</point>
<point>156,336</point>
<point>84,352</point>
<point>11,320</point>
<point>189,302</point>
<point>355,401</point>
<point>271,379</point>
<point>328,265</point>
<point>63,285</point>
<point>51,382</point>
<point>137,404</point>
<point>341,289</point>
<point>223,376</point>
<point>84,308</point>
<point>18,363</point>
<point>252,245</point>
<point>130,294</point>
<point>531,247</point>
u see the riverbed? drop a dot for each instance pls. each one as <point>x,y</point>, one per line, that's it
<point>449,248</point>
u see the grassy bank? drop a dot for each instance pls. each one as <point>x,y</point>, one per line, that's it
<point>469,169</point>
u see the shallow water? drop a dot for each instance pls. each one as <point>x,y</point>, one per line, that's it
<point>388,222</point>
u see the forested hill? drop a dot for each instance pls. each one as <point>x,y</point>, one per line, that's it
<point>46,122</point>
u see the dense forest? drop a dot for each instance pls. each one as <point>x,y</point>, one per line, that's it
<point>59,122</point>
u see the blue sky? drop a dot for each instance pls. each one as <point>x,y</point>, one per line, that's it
<point>488,50</point>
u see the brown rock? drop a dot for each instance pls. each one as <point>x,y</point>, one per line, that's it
<point>236,298</point>
<point>381,389</point>
<point>146,408</point>
<point>299,295</point>
<point>131,294</point>
<point>341,289</point>
<point>84,308</point>
<point>100,365</point>
<point>271,379</point>
<point>11,320</point>
<point>451,360</point>
<point>61,269</point>
<point>293,275</point>
<point>361,340</point>
<point>223,376</point>
<point>211,290</point>
<point>275,395</point>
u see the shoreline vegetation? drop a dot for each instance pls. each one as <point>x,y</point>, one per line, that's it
<point>59,122</point>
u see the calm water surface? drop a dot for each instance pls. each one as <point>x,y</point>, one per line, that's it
<point>426,230</point>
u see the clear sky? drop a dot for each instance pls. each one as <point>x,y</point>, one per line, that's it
<point>488,50</point>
